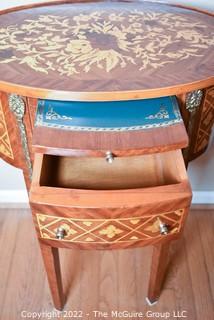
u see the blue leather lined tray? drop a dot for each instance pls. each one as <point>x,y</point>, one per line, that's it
<point>108,116</point>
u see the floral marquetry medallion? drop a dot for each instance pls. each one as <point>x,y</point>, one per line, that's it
<point>102,40</point>
<point>105,41</point>
<point>5,146</point>
<point>105,231</point>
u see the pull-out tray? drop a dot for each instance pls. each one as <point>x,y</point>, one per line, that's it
<point>124,127</point>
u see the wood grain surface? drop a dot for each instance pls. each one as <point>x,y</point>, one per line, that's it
<point>158,270</point>
<point>10,136</point>
<point>110,280</point>
<point>203,125</point>
<point>97,174</point>
<point>105,50</point>
<point>10,139</point>
<point>79,143</point>
<point>5,142</point>
<point>52,265</point>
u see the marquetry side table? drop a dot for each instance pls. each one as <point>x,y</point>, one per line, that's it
<point>133,51</point>
<point>103,51</point>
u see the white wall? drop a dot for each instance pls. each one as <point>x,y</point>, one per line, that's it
<point>204,4</point>
<point>13,3</point>
<point>201,171</point>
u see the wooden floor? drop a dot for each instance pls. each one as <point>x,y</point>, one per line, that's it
<point>106,281</point>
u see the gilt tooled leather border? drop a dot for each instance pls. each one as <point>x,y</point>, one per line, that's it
<point>165,116</point>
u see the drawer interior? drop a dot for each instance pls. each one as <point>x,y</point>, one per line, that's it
<point>124,173</point>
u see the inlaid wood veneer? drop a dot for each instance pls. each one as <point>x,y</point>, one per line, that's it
<point>105,51</point>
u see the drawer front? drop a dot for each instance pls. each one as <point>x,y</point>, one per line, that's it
<point>106,233</point>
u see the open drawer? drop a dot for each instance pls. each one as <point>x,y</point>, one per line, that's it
<point>89,203</point>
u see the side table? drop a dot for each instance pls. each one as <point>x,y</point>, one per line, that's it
<point>102,51</point>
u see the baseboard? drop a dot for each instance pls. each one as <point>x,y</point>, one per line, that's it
<point>19,198</point>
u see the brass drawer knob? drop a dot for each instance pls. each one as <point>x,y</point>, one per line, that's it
<point>163,227</point>
<point>109,157</point>
<point>60,233</point>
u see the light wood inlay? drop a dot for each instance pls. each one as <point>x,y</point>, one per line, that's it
<point>138,49</point>
<point>5,145</point>
<point>106,231</point>
<point>206,122</point>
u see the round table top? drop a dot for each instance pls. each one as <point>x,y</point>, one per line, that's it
<point>105,50</point>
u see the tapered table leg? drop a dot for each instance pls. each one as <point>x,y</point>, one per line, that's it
<point>158,268</point>
<point>52,266</point>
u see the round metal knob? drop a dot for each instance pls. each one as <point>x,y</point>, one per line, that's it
<point>164,229</point>
<point>60,233</point>
<point>109,157</point>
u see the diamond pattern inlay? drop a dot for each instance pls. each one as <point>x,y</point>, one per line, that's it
<point>109,230</point>
<point>206,122</point>
<point>5,146</point>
